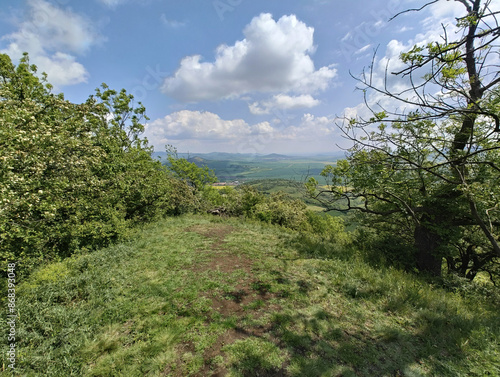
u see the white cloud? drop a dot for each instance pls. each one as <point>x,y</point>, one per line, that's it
<point>112,3</point>
<point>359,110</point>
<point>311,127</point>
<point>431,29</point>
<point>174,24</point>
<point>363,49</point>
<point>311,133</point>
<point>404,29</point>
<point>205,125</point>
<point>273,56</point>
<point>445,11</point>
<point>283,102</point>
<point>62,69</point>
<point>60,29</point>
<point>197,130</point>
<point>49,34</point>
<point>347,37</point>
<point>382,77</point>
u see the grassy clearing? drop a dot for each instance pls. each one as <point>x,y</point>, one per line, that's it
<point>199,296</point>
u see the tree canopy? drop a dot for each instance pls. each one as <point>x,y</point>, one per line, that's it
<point>425,165</point>
<point>73,176</point>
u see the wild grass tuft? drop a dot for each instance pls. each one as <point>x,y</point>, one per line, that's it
<point>196,296</point>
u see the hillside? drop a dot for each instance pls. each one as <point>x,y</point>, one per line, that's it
<point>205,296</point>
<point>293,189</point>
<point>245,167</point>
<point>379,259</point>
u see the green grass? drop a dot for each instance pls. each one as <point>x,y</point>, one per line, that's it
<point>203,296</point>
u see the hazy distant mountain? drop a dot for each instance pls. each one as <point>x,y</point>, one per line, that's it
<point>197,160</point>
<point>224,156</point>
<point>274,157</point>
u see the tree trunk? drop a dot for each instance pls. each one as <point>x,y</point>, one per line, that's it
<point>426,243</point>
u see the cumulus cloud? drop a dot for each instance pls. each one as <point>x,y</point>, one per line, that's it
<point>273,56</point>
<point>185,124</point>
<point>283,102</point>
<point>49,34</point>
<point>309,128</point>
<point>62,69</point>
<point>195,129</point>
<point>444,13</point>
<point>431,30</point>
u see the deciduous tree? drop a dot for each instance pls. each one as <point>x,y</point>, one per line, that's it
<point>73,176</point>
<point>429,165</point>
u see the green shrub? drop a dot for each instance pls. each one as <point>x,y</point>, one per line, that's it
<point>72,176</point>
<point>280,210</point>
<point>328,227</point>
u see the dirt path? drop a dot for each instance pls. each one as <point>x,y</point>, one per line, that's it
<point>250,298</point>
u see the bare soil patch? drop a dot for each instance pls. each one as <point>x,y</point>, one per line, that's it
<point>250,297</point>
<point>217,232</point>
<point>221,260</point>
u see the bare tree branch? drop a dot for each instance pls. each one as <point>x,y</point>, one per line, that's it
<point>413,9</point>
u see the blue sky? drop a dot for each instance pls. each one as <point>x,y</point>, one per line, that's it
<point>226,75</point>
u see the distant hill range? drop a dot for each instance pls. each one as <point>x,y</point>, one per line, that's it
<point>274,157</point>
<point>231,167</point>
<point>197,160</point>
<point>224,156</point>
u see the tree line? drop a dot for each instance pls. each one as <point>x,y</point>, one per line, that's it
<point>74,177</point>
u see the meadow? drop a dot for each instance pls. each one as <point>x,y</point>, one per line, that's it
<point>207,296</point>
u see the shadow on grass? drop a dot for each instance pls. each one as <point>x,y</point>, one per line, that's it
<point>392,327</point>
<point>309,246</point>
<point>317,346</point>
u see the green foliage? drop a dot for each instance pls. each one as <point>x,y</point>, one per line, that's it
<point>277,209</point>
<point>74,176</point>
<point>194,176</point>
<point>328,228</point>
<point>282,211</point>
<point>409,184</point>
<point>49,274</point>
<point>250,198</point>
<point>293,189</point>
<point>234,202</point>
<point>238,203</point>
<point>430,176</point>
<point>383,246</point>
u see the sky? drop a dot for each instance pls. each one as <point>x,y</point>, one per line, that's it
<point>240,76</point>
